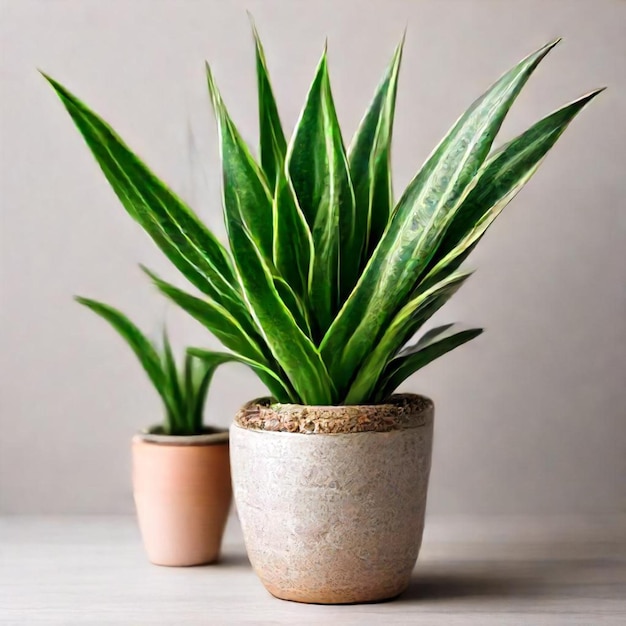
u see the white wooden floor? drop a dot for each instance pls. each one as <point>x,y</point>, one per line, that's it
<point>481,572</point>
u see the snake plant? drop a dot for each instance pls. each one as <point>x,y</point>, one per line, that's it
<point>327,278</point>
<point>183,392</point>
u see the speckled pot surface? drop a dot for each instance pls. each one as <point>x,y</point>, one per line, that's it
<point>332,499</point>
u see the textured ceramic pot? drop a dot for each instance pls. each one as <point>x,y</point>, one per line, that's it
<point>332,499</point>
<point>182,492</point>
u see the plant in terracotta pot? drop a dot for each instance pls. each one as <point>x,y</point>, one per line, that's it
<point>181,472</point>
<point>326,280</point>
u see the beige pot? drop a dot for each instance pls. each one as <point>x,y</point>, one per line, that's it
<point>182,492</point>
<point>331,499</point>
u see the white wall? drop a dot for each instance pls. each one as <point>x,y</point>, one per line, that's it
<point>530,418</point>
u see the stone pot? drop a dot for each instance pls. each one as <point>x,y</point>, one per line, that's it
<point>331,499</point>
<point>182,492</point>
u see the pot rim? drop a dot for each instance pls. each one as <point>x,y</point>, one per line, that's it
<point>404,411</point>
<point>213,436</point>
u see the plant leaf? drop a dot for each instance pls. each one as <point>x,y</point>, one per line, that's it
<point>501,178</point>
<point>272,138</point>
<point>244,205</point>
<point>404,325</point>
<point>139,344</point>
<point>291,348</point>
<point>294,304</point>
<point>293,242</point>
<point>201,383</point>
<point>189,384</point>
<point>319,173</point>
<point>439,342</point>
<point>177,418</point>
<point>213,316</point>
<point>272,381</point>
<point>226,328</point>
<point>418,224</point>
<point>244,186</point>
<point>172,225</point>
<point>369,156</point>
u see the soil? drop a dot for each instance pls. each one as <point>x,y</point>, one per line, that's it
<point>400,412</point>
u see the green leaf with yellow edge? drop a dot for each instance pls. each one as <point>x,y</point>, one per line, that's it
<point>319,173</point>
<point>214,317</point>
<point>434,344</point>
<point>172,225</point>
<point>503,175</point>
<point>293,349</point>
<point>369,156</point>
<point>293,244</point>
<point>274,382</point>
<point>244,210</point>
<point>244,187</point>
<point>273,145</point>
<point>418,224</point>
<point>403,326</point>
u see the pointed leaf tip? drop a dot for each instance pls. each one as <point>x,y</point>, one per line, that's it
<point>588,97</point>
<point>54,84</point>
<point>214,93</point>
<point>400,47</point>
<point>551,44</point>
<point>538,56</point>
<point>255,32</point>
<point>61,91</point>
<point>543,51</point>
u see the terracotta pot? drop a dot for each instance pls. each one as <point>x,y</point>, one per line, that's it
<point>182,492</point>
<point>332,499</point>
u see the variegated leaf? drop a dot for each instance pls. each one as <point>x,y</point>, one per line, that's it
<point>244,185</point>
<point>439,342</point>
<point>500,179</point>
<point>229,332</point>
<point>273,145</point>
<point>293,242</point>
<point>369,157</point>
<point>213,316</point>
<point>404,325</point>
<point>244,210</point>
<point>418,224</point>
<point>172,225</point>
<point>138,342</point>
<point>199,372</point>
<point>318,168</point>
<point>295,305</point>
<point>273,381</point>
<point>292,349</point>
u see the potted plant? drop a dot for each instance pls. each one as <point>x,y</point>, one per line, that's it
<point>326,280</point>
<point>181,472</point>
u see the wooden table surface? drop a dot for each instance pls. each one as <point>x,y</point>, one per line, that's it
<point>476,571</point>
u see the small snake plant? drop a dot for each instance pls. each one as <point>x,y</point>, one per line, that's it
<point>327,278</point>
<point>183,392</point>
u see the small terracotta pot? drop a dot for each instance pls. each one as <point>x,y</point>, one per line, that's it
<point>182,492</point>
<point>332,499</point>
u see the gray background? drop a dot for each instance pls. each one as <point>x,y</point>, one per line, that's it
<point>531,417</point>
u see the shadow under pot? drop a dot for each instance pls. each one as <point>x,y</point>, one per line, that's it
<point>182,492</point>
<point>332,499</point>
